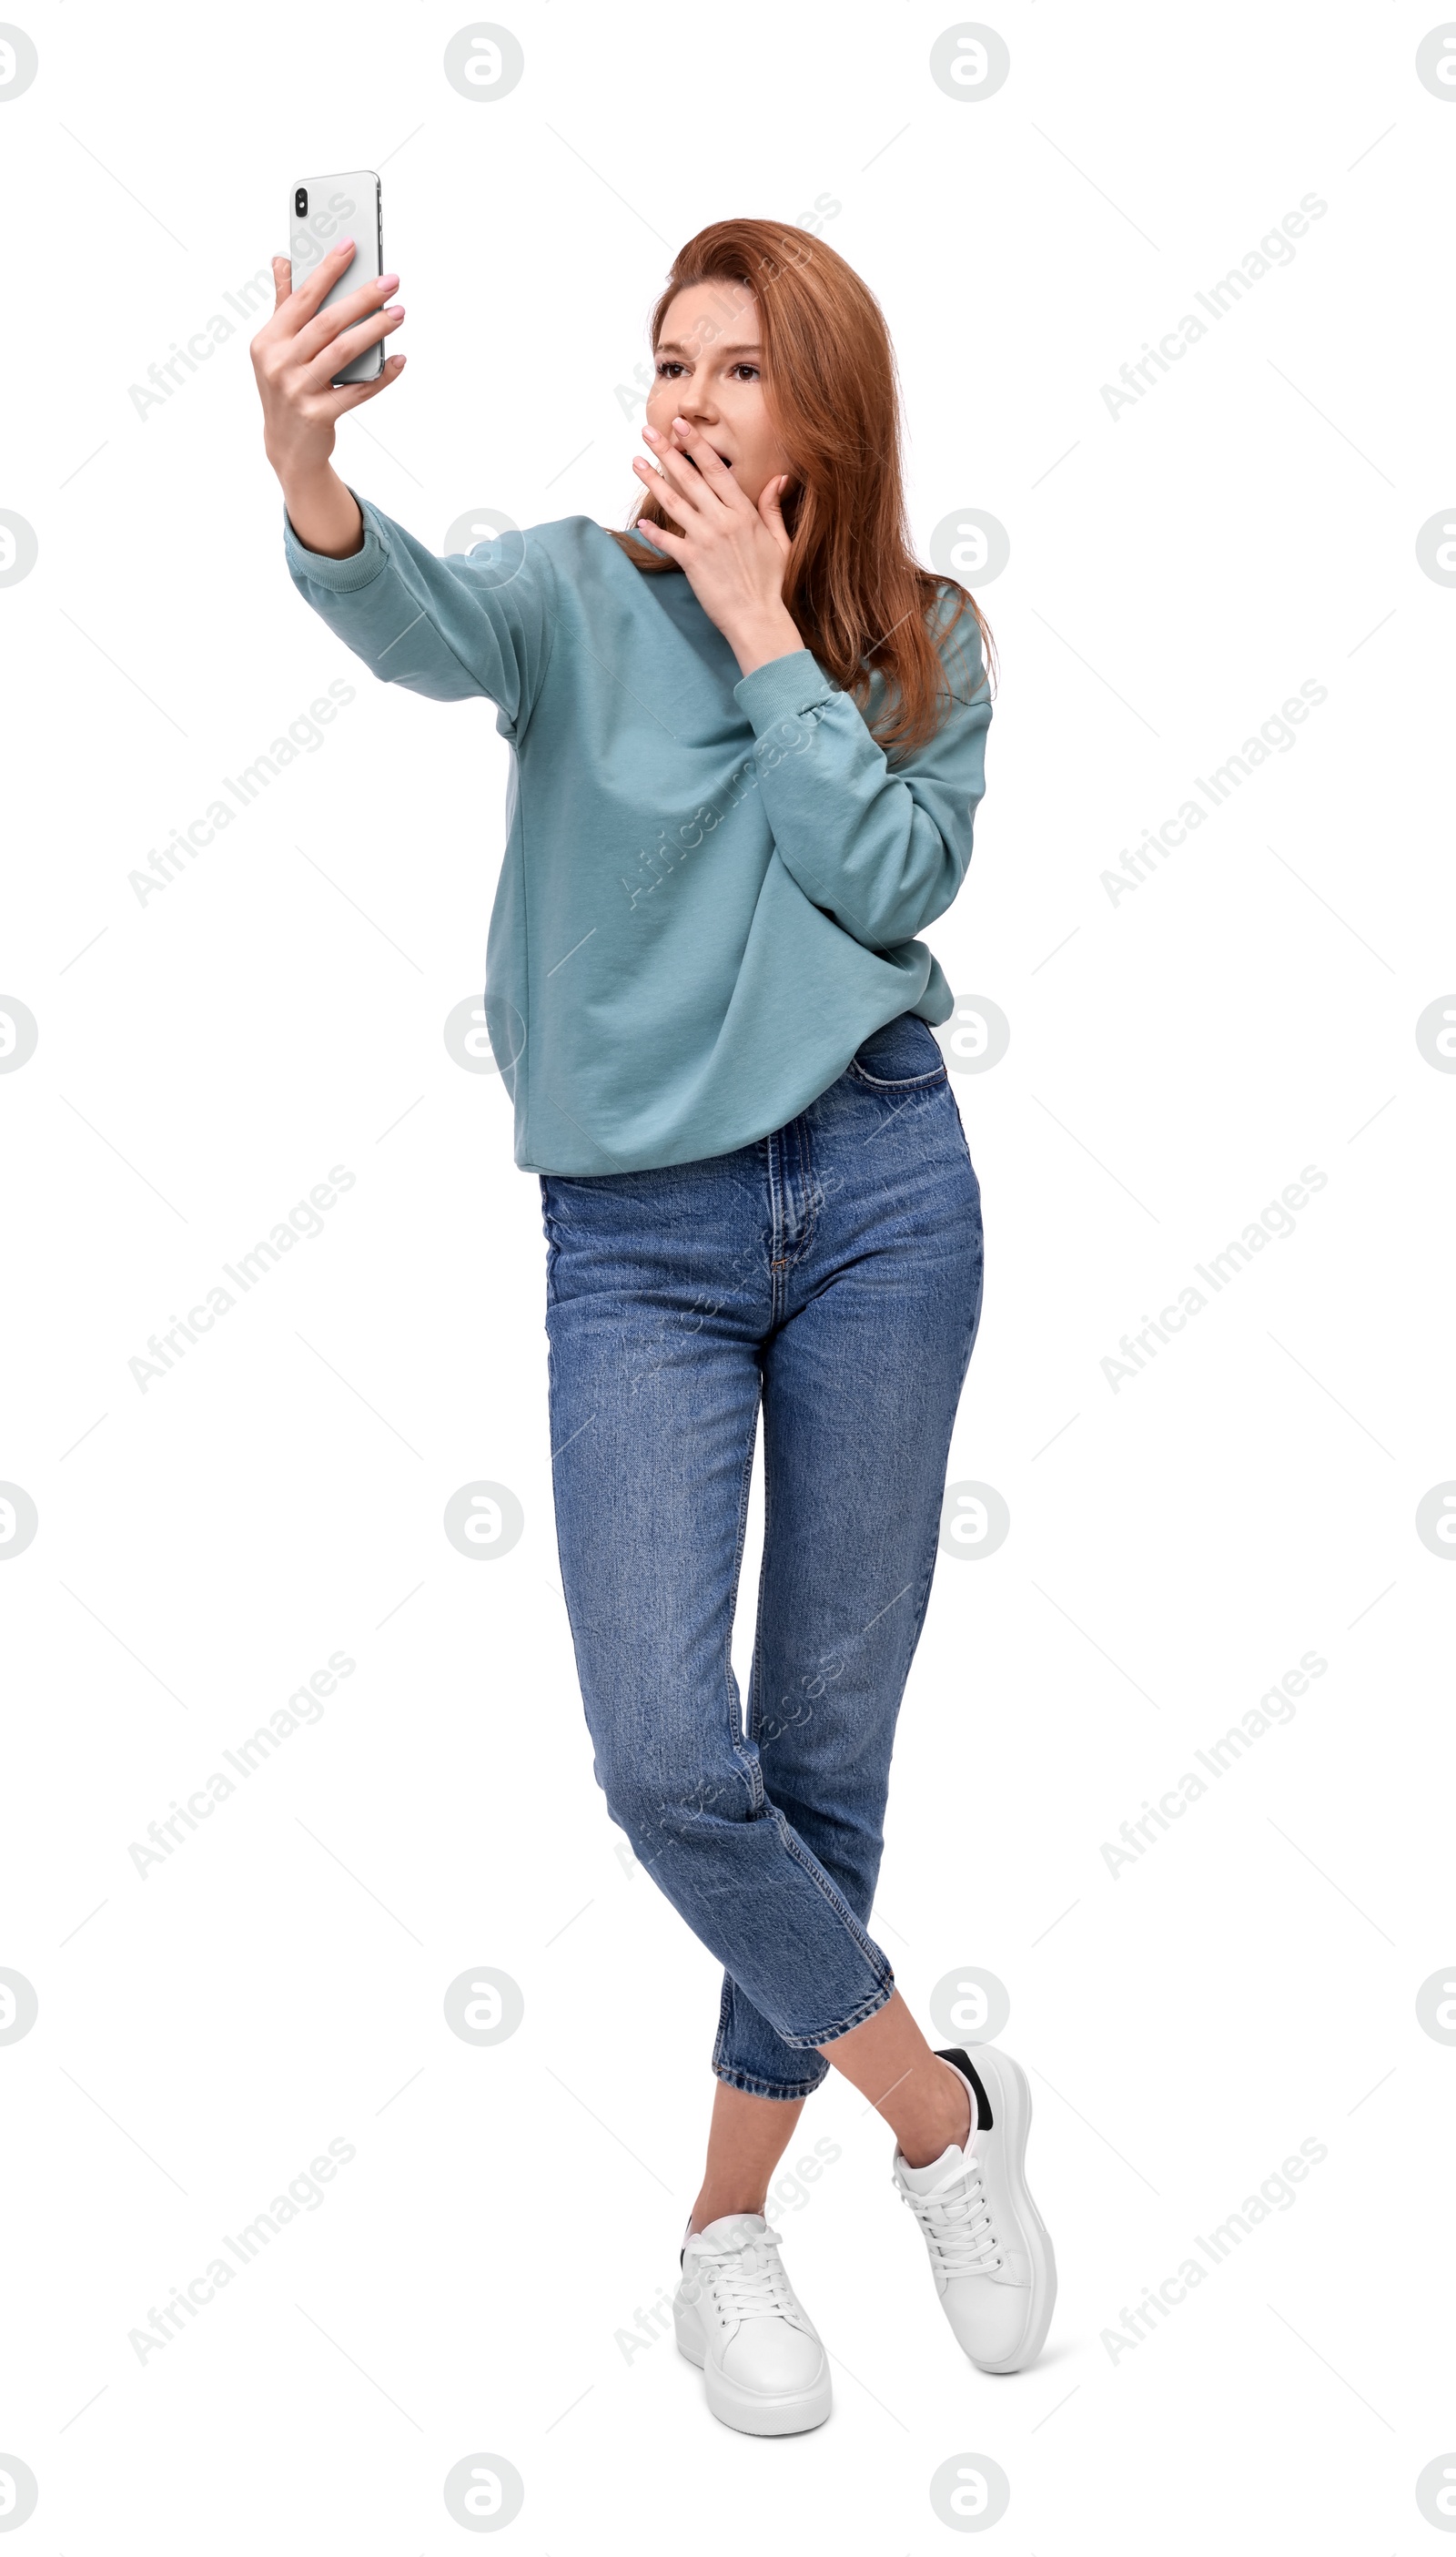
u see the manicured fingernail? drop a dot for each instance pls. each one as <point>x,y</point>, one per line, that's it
<point>341,245</point>
<point>652,435</point>
<point>387,283</point>
<point>680,426</point>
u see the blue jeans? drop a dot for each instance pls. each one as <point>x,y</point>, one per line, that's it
<point>832,1271</point>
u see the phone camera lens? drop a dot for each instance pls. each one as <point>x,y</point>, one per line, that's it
<point>300,200</point>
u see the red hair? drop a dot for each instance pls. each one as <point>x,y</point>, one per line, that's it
<point>851,582</point>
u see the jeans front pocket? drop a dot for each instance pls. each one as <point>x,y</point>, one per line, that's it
<point>903,1055</point>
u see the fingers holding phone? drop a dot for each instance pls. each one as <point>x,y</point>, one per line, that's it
<point>332,339</point>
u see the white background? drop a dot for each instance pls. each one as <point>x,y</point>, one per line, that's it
<point>1176,1058</point>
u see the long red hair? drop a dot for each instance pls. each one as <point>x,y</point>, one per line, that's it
<point>851,583</point>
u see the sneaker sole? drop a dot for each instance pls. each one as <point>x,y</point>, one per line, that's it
<point>1012,2110</point>
<point>738,2407</point>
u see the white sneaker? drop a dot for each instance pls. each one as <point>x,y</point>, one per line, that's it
<point>988,2251</point>
<point>763,2366</point>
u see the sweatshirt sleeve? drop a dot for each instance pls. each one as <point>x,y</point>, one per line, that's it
<point>880,848</point>
<point>477,623</point>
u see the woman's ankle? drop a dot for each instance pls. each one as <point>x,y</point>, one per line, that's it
<point>947,2126</point>
<point>723,2203</point>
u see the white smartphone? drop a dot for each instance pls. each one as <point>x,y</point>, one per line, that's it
<point>321,210</point>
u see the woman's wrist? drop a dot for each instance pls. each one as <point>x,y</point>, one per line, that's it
<point>757,643</point>
<point>323,513</point>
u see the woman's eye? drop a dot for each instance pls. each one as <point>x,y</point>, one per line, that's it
<point>667,368</point>
<point>750,372</point>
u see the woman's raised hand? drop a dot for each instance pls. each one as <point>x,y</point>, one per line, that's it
<point>296,354</point>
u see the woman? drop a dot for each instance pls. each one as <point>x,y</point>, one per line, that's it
<point>748,741</point>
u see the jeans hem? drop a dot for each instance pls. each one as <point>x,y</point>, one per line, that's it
<point>873,1959</point>
<point>860,2015</point>
<point>748,2085</point>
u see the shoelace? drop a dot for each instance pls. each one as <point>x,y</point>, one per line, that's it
<point>749,2281</point>
<point>957,2220</point>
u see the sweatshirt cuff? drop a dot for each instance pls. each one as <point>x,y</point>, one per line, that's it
<point>338,575</point>
<point>782,689</point>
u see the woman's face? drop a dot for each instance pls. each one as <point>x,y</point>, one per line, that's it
<point>709,367</point>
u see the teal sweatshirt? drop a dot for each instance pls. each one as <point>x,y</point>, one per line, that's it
<point>712,883</point>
